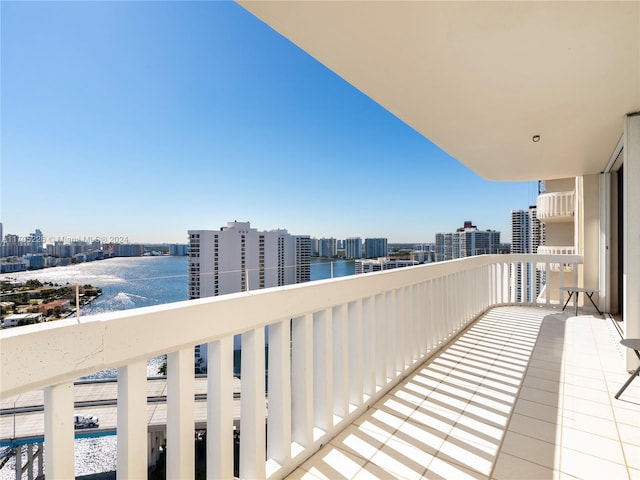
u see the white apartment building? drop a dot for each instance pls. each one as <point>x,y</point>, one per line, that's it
<point>375,247</point>
<point>466,241</point>
<point>238,258</point>
<point>353,247</point>
<point>327,247</point>
<point>383,263</point>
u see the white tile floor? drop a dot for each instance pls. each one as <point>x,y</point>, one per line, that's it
<point>525,393</point>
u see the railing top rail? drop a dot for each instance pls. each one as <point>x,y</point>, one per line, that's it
<point>36,356</point>
<point>556,194</point>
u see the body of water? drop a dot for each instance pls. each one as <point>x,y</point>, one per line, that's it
<point>126,283</point>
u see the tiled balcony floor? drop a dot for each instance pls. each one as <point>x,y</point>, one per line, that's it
<point>524,393</point>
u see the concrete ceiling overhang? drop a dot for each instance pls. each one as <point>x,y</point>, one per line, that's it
<point>480,79</point>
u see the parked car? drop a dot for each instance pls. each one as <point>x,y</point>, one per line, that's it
<point>82,421</point>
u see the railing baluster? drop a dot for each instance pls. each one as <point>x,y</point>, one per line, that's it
<point>180,414</point>
<point>59,455</point>
<point>414,337</point>
<point>391,334</point>
<point>340,356</point>
<point>407,318</point>
<point>382,355</point>
<point>421,310</point>
<point>252,406</point>
<point>220,409</point>
<point>302,375</point>
<point>322,371</point>
<point>369,342</point>
<point>430,319</point>
<point>132,420</point>
<point>547,278</point>
<point>400,329</point>
<point>279,393</point>
<point>436,300</point>
<point>355,353</point>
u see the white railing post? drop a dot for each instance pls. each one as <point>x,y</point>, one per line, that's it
<point>340,356</point>
<point>180,414</point>
<point>302,379</point>
<point>279,393</point>
<point>322,371</point>
<point>401,320</point>
<point>421,323</point>
<point>369,346</point>
<point>447,294</point>
<point>382,352</point>
<point>252,406</point>
<point>59,455</point>
<point>391,332</point>
<point>436,310</point>
<point>220,409</point>
<point>430,318</point>
<point>132,420</point>
<point>409,325</point>
<point>355,353</point>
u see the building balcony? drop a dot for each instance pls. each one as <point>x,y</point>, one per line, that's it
<point>555,250</point>
<point>424,371</point>
<point>556,207</point>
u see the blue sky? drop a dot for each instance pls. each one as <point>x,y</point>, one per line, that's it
<point>147,119</point>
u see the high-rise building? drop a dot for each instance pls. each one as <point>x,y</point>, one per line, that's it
<point>527,234</point>
<point>466,241</point>
<point>178,249</point>
<point>375,247</point>
<point>36,240</point>
<point>353,247</point>
<point>239,258</point>
<point>327,247</point>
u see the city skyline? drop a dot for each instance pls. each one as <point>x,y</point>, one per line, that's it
<point>143,120</point>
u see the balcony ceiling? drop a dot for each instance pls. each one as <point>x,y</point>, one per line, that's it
<point>480,79</point>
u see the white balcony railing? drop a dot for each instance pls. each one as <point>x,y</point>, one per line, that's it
<point>555,250</point>
<point>556,206</point>
<point>335,347</point>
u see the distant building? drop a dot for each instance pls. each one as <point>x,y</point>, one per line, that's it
<point>238,258</point>
<point>13,266</point>
<point>424,253</point>
<point>54,307</point>
<point>127,250</point>
<point>34,261</point>
<point>36,239</point>
<point>16,319</point>
<point>466,241</point>
<point>353,247</point>
<point>327,247</point>
<point>527,234</point>
<point>380,264</point>
<point>375,247</point>
<point>178,249</point>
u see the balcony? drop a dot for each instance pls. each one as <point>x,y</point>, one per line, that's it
<point>423,367</point>
<point>556,207</point>
<point>555,250</point>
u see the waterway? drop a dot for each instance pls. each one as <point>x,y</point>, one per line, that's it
<point>132,283</point>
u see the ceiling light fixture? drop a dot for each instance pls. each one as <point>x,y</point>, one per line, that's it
<point>536,138</point>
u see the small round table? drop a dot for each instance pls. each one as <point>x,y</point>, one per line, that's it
<point>633,344</point>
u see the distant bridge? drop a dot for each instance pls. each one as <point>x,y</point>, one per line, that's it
<point>22,416</point>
